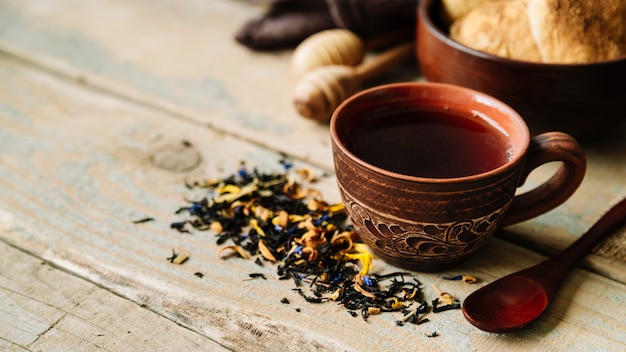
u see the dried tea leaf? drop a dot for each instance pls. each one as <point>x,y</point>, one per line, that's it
<point>306,174</point>
<point>294,191</point>
<point>272,215</point>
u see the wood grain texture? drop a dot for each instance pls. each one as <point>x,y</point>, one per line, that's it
<point>76,170</point>
<point>179,57</point>
<point>46,309</point>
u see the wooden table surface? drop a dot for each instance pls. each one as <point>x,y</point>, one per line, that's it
<point>107,107</point>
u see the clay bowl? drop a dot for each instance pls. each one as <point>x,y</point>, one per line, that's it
<point>583,100</point>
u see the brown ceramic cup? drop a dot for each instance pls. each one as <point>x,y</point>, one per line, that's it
<point>430,224</point>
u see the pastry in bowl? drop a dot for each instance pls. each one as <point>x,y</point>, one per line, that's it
<point>553,91</point>
<point>550,31</point>
<point>499,27</point>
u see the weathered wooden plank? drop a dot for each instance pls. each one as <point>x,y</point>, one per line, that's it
<point>46,309</point>
<point>77,167</point>
<point>10,347</point>
<point>180,57</point>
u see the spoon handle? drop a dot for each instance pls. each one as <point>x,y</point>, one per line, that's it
<point>603,228</point>
<point>560,264</point>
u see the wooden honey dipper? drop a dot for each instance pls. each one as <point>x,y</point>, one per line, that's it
<point>340,47</point>
<point>320,91</point>
<point>329,47</point>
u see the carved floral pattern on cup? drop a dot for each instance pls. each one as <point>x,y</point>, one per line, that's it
<point>426,239</point>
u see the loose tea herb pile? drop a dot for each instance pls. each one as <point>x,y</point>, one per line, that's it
<point>273,217</point>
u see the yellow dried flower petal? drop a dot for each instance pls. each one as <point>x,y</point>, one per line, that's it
<point>228,189</point>
<point>397,304</point>
<point>373,310</point>
<point>246,205</point>
<point>335,295</point>
<point>293,218</point>
<point>323,277</point>
<point>294,191</point>
<point>266,252</point>
<point>237,250</point>
<point>411,294</point>
<point>445,297</point>
<point>312,238</point>
<point>233,196</point>
<point>308,224</point>
<point>330,227</point>
<point>361,248</point>
<point>365,293</point>
<point>337,208</point>
<point>362,255</point>
<point>262,213</point>
<point>358,279</point>
<point>306,174</point>
<point>469,279</point>
<point>274,182</point>
<point>216,227</point>
<point>281,219</point>
<point>315,205</point>
<point>255,225</point>
<point>312,253</point>
<point>343,240</point>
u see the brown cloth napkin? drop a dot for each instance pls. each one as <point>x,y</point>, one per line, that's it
<point>288,22</point>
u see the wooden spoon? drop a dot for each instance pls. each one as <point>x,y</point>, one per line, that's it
<point>320,91</point>
<point>514,301</point>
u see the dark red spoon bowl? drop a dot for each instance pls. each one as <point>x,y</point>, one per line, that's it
<point>516,300</point>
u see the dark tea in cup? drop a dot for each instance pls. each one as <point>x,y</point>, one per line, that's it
<point>428,172</point>
<point>429,143</point>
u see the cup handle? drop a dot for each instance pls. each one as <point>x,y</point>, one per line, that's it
<point>544,148</point>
